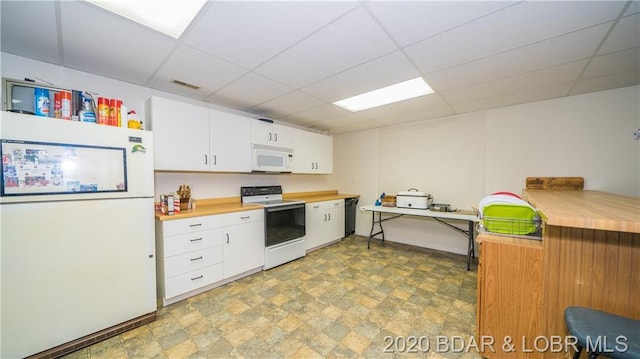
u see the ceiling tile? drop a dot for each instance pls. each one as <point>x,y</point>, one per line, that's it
<point>28,29</point>
<point>633,8</point>
<point>622,79</point>
<point>317,114</point>
<point>249,33</point>
<point>344,120</point>
<point>624,36</point>
<point>410,21</point>
<point>384,71</point>
<point>290,59</point>
<point>538,94</point>
<point>529,80</point>
<point>352,127</point>
<point>248,91</point>
<point>414,105</point>
<point>287,104</point>
<point>568,48</point>
<point>513,27</point>
<point>622,61</point>
<point>90,34</point>
<point>347,42</point>
<point>218,73</point>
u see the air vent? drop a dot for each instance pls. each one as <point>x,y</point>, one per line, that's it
<point>186,84</point>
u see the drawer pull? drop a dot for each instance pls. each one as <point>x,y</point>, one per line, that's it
<point>195,225</point>
<point>195,239</point>
<point>198,277</point>
<point>196,259</point>
<point>245,217</point>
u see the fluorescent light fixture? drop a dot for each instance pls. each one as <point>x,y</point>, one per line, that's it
<point>386,95</point>
<point>167,16</point>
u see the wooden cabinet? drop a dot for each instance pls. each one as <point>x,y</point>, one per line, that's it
<point>510,294</point>
<point>324,223</point>
<point>312,152</point>
<point>189,255</point>
<point>270,134</point>
<point>243,237</point>
<point>195,138</point>
<point>589,256</point>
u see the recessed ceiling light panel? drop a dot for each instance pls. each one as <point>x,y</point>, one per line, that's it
<point>167,16</point>
<point>386,95</point>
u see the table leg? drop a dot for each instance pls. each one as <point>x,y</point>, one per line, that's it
<point>373,224</point>
<point>471,247</point>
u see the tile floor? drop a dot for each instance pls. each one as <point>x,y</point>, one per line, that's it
<point>341,301</point>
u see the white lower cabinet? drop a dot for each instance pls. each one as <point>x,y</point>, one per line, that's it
<point>200,253</point>
<point>243,242</point>
<point>324,223</point>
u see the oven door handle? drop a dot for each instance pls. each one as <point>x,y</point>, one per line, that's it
<point>285,207</point>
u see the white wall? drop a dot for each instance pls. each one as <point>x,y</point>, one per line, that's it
<point>460,159</point>
<point>205,185</point>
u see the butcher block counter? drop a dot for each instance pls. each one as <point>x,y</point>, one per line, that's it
<point>589,255</point>
<point>211,206</point>
<point>587,209</point>
<point>318,196</point>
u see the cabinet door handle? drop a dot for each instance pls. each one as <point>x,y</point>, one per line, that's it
<point>195,239</point>
<point>215,160</point>
<point>227,237</point>
<point>312,166</point>
<point>269,136</point>
<point>329,216</point>
<point>325,217</point>
<point>206,159</point>
<point>198,277</point>
<point>276,137</point>
<point>196,259</point>
<point>195,225</point>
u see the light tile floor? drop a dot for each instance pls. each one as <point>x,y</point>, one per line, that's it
<point>341,301</point>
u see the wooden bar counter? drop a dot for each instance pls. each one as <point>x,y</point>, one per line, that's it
<point>590,257</point>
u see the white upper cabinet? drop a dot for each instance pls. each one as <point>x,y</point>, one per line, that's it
<point>195,138</point>
<point>270,134</point>
<point>312,152</point>
<point>230,142</point>
<point>181,135</point>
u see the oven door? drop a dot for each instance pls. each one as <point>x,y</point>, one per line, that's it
<point>284,223</point>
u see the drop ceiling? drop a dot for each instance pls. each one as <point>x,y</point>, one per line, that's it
<point>289,60</point>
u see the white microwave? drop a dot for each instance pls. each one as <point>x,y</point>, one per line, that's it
<point>271,158</point>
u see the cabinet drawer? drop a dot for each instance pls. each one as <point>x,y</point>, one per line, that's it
<point>188,225</point>
<point>232,219</point>
<point>191,261</point>
<point>189,281</point>
<point>192,242</point>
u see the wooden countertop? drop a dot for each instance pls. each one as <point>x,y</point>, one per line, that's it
<point>318,196</point>
<point>207,207</point>
<point>211,206</point>
<point>586,209</point>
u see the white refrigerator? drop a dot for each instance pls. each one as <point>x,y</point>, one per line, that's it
<point>77,232</point>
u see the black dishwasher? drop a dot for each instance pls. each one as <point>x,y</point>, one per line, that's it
<point>350,216</point>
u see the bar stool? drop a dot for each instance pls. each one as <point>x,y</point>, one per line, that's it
<point>602,333</point>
